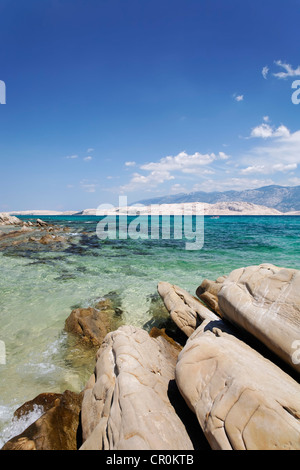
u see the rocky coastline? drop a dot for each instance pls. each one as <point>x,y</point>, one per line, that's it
<point>221,373</point>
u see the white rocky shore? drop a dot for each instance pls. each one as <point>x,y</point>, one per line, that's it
<point>220,208</point>
<point>231,384</point>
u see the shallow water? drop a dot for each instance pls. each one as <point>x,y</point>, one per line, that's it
<point>40,285</point>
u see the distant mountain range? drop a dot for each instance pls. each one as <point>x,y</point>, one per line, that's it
<point>282,198</point>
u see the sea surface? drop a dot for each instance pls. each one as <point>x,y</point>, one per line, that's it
<point>41,284</point>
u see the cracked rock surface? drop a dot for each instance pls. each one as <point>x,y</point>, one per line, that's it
<point>126,403</point>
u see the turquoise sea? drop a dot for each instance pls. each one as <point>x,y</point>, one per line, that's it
<point>41,284</point>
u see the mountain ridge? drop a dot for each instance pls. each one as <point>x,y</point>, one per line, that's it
<point>282,198</point>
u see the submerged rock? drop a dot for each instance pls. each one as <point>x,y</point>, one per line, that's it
<point>92,324</point>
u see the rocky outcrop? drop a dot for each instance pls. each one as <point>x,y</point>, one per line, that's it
<point>225,386</point>
<point>92,324</point>
<point>57,429</point>
<point>241,399</point>
<point>126,403</point>
<point>187,315</point>
<point>265,301</point>
<point>6,219</point>
<point>208,292</point>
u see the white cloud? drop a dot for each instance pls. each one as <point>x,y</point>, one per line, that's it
<point>88,159</point>
<point>265,72</point>
<point>239,98</point>
<point>184,162</point>
<point>280,152</point>
<point>266,118</point>
<point>178,188</point>
<point>282,167</point>
<point>233,183</point>
<point>130,163</point>
<point>266,131</point>
<point>181,164</point>
<point>267,169</point>
<point>88,187</point>
<point>295,181</point>
<point>90,150</point>
<point>223,156</point>
<point>153,179</point>
<point>288,70</point>
<point>72,157</point>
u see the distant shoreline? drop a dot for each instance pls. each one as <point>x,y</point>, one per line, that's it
<point>234,208</point>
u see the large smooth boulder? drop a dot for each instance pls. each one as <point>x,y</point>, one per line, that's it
<point>265,301</point>
<point>126,403</point>
<point>242,400</point>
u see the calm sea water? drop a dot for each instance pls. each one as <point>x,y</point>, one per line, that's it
<point>41,284</point>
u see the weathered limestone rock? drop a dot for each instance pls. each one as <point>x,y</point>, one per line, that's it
<point>242,400</point>
<point>188,314</point>
<point>6,219</point>
<point>93,323</point>
<point>57,429</point>
<point>265,301</point>
<point>48,239</point>
<point>208,292</point>
<point>41,223</point>
<point>126,404</point>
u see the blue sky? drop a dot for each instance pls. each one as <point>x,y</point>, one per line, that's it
<point>145,98</point>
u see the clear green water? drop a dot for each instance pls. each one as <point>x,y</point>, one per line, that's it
<point>40,286</point>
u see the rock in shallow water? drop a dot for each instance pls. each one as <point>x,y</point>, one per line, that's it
<point>57,429</point>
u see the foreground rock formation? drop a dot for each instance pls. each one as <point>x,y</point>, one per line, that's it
<point>126,403</point>
<point>57,429</point>
<point>232,384</point>
<point>242,400</point>
<point>6,219</point>
<point>265,301</point>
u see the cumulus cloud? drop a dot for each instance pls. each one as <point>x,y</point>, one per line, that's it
<point>181,164</point>
<point>130,163</point>
<point>88,159</point>
<point>184,162</point>
<point>280,152</point>
<point>150,181</point>
<point>72,157</point>
<point>266,131</point>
